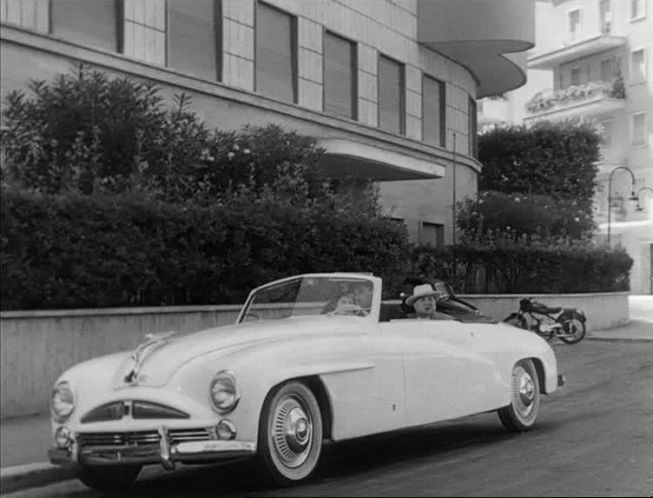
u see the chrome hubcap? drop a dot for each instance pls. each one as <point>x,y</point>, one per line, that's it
<point>292,432</point>
<point>526,389</point>
<point>524,392</point>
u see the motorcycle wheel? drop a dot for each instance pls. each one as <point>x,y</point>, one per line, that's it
<point>574,329</point>
<point>517,320</point>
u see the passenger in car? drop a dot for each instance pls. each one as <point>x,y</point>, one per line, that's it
<point>424,301</point>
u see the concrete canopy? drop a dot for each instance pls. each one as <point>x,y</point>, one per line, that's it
<point>343,158</point>
<point>487,37</point>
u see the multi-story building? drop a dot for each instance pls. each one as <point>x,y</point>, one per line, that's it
<point>389,87</point>
<point>591,61</point>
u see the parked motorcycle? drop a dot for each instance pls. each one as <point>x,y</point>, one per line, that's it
<point>567,324</point>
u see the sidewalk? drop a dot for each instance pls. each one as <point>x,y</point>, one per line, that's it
<point>24,440</point>
<point>638,329</point>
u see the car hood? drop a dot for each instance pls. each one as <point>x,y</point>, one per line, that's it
<point>170,354</point>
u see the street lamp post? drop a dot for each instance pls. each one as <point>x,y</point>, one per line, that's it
<point>645,187</point>
<point>633,196</point>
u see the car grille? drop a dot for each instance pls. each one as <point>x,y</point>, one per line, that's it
<point>136,409</point>
<point>144,409</point>
<point>143,438</point>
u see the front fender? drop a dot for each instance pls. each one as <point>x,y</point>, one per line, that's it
<point>258,371</point>
<point>572,313</point>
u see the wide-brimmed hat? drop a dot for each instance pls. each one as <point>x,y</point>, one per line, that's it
<point>420,291</point>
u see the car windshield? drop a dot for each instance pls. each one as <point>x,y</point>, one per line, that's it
<point>329,296</point>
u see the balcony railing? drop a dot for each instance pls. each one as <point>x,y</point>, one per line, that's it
<point>549,101</point>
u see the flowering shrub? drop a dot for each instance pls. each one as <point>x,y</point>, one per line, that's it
<point>547,99</point>
<point>85,132</point>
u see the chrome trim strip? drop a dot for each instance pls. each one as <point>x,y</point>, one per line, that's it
<point>188,452</point>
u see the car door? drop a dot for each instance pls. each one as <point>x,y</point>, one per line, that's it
<point>445,374</point>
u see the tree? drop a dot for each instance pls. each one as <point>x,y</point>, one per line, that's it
<point>553,159</point>
<point>551,162</point>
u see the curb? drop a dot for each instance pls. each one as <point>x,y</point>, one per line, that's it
<point>619,339</point>
<point>33,475</point>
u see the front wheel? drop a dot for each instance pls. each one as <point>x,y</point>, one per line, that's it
<point>109,479</point>
<point>290,434</point>
<point>574,330</point>
<point>521,413</point>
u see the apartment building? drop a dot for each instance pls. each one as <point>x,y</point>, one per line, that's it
<point>592,60</point>
<point>389,87</point>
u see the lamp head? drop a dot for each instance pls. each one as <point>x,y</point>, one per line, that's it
<point>633,197</point>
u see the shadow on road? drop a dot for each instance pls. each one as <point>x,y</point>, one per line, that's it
<point>351,459</point>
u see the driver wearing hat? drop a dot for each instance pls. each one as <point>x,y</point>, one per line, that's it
<point>424,301</point>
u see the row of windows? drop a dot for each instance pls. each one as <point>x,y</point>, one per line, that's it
<point>637,11</point>
<point>608,70</point>
<point>187,36</point>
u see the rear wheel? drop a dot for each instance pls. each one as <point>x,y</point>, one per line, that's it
<point>520,415</point>
<point>290,434</point>
<point>574,330</point>
<point>109,479</point>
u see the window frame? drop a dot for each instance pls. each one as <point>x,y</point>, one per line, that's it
<point>472,123</point>
<point>402,93</point>
<point>439,234</point>
<point>119,28</point>
<point>631,66</point>
<point>641,15</point>
<point>443,109</point>
<point>607,146</point>
<point>577,35</point>
<point>611,67</point>
<point>602,21</point>
<point>354,73</point>
<point>572,70</point>
<point>294,56</point>
<point>218,32</point>
<point>632,130</point>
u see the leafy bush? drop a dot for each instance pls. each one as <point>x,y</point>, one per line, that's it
<point>525,266</point>
<point>85,132</point>
<point>519,214</point>
<point>552,159</point>
<point>69,251</point>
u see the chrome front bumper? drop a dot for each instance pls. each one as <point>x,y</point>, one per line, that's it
<point>163,453</point>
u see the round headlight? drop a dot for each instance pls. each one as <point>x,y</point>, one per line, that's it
<point>63,401</point>
<point>223,393</point>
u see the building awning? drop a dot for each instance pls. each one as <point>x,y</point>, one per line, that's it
<point>347,158</point>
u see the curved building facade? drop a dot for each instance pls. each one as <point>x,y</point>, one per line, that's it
<point>389,87</point>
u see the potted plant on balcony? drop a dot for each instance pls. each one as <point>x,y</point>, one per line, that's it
<point>618,89</point>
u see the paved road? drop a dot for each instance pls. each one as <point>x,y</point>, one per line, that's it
<point>594,438</point>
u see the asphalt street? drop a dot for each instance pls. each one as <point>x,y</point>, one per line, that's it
<point>594,438</point>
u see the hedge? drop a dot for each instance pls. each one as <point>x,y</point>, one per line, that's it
<point>75,251</point>
<point>519,268</point>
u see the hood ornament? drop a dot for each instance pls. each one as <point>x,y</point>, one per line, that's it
<point>151,343</point>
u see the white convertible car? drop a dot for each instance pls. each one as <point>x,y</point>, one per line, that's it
<point>310,357</point>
